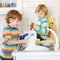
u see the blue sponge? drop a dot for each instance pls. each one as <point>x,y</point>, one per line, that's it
<point>23,36</point>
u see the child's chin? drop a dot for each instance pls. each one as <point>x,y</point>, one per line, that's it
<point>15,26</point>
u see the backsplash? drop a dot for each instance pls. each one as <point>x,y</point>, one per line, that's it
<point>28,10</point>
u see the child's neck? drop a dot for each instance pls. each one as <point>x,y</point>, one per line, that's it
<point>11,25</point>
<point>42,17</point>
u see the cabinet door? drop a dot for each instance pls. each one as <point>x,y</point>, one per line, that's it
<point>6,5</point>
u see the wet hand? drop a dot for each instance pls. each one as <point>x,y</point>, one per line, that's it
<point>25,41</point>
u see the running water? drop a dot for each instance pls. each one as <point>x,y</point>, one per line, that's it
<point>32,39</point>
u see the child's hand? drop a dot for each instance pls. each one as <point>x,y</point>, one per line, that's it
<point>32,26</point>
<point>25,41</point>
<point>18,42</point>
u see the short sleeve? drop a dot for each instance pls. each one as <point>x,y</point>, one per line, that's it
<point>6,35</point>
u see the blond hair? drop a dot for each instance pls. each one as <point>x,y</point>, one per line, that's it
<point>41,7</point>
<point>13,14</point>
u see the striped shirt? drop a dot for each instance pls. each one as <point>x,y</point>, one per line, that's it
<point>8,35</point>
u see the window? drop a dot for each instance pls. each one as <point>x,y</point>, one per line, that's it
<point>6,5</point>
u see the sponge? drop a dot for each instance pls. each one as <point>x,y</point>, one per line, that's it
<point>37,41</point>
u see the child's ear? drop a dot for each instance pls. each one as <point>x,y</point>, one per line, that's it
<point>10,20</point>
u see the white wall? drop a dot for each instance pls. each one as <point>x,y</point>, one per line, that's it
<point>2,24</point>
<point>28,10</point>
<point>58,3</point>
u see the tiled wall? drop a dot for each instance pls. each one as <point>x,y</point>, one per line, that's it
<point>2,24</point>
<point>28,12</point>
<point>58,10</point>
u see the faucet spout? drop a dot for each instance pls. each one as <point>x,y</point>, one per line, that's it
<point>56,41</point>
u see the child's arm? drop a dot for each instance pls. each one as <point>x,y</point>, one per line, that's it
<point>17,42</point>
<point>7,38</point>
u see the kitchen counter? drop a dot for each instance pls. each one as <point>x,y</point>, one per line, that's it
<point>36,55</point>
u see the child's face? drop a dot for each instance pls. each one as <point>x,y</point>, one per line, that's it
<point>14,22</point>
<point>40,14</point>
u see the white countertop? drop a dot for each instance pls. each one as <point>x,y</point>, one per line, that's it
<point>36,53</point>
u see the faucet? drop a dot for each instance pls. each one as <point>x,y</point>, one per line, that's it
<point>56,41</point>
